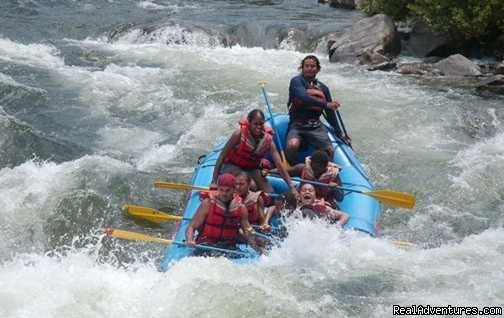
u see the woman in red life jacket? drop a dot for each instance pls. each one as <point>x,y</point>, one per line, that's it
<point>311,207</point>
<point>245,149</point>
<point>220,216</point>
<point>317,167</point>
<point>252,200</point>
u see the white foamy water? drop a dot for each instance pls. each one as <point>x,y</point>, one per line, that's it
<point>30,193</point>
<point>311,275</point>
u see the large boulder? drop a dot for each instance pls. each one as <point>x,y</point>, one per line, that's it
<point>422,41</point>
<point>458,65</point>
<point>373,36</point>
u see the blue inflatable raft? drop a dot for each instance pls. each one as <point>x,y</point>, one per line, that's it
<point>363,210</point>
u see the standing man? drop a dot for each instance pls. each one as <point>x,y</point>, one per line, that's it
<point>308,99</point>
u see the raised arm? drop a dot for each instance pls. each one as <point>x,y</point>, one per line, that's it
<point>342,217</point>
<point>197,221</point>
<point>262,219</point>
<point>230,144</point>
<point>281,168</point>
<point>247,229</point>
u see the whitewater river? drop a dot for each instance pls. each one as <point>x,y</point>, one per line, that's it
<point>100,98</point>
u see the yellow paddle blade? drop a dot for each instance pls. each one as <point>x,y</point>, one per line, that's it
<point>393,198</point>
<point>177,186</point>
<point>285,163</point>
<point>404,244</point>
<point>134,236</point>
<point>150,214</point>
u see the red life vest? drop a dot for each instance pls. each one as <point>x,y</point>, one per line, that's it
<point>221,224</point>
<point>313,92</point>
<point>251,202</point>
<point>249,152</point>
<point>330,175</point>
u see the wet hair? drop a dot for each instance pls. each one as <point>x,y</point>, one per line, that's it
<point>310,57</point>
<point>255,112</point>
<point>302,184</point>
<point>320,157</point>
<point>244,174</point>
<point>290,200</point>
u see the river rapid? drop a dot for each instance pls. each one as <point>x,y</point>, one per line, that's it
<point>100,98</point>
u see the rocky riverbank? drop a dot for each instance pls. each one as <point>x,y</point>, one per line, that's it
<point>377,42</point>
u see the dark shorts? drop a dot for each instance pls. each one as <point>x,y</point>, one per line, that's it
<point>310,136</point>
<point>235,170</point>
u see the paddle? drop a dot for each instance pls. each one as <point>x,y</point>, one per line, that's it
<point>266,100</point>
<point>185,186</point>
<point>134,236</point>
<point>177,186</point>
<point>346,140</point>
<point>150,214</point>
<point>157,216</point>
<point>389,197</point>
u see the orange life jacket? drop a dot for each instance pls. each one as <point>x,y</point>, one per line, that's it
<point>330,175</point>
<point>222,223</point>
<point>249,152</point>
<point>314,92</point>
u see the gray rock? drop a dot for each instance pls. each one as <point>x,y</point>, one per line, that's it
<point>499,68</point>
<point>376,34</point>
<point>418,69</point>
<point>422,41</point>
<point>324,43</point>
<point>385,66</point>
<point>458,65</point>
<point>491,85</point>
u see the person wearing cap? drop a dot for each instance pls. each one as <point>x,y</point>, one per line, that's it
<point>220,216</point>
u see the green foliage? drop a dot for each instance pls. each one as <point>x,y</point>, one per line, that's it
<point>460,19</point>
<point>398,9</point>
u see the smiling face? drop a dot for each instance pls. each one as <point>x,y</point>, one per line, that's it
<point>307,194</point>
<point>310,68</point>
<point>225,193</point>
<point>256,125</point>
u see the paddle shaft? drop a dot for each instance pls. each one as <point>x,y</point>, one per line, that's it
<point>134,236</point>
<point>341,122</point>
<point>389,197</point>
<point>266,100</point>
